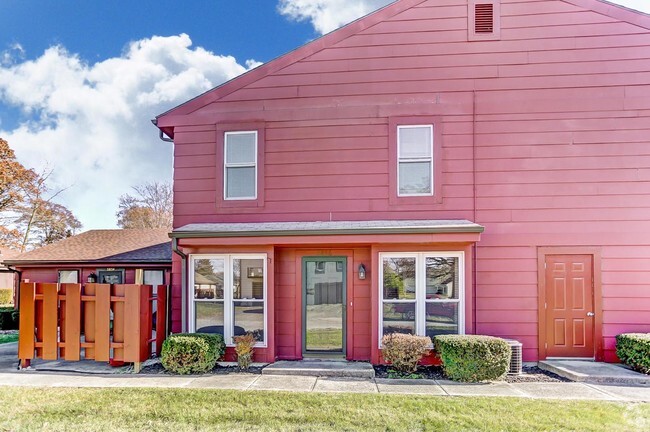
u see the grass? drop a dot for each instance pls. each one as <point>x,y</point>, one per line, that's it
<point>7,338</point>
<point>187,409</point>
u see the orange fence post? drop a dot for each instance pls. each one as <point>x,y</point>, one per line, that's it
<point>102,322</point>
<point>118,322</point>
<point>146,321</point>
<point>38,320</point>
<point>88,301</point>
<point>26,323</point>
<point>71,329</point>
<point>131,323</point>
<point>161,318</point>
<point>50,321</point>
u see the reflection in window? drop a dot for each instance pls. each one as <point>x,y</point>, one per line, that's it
<point>229,295</point>
<point>421,293</point>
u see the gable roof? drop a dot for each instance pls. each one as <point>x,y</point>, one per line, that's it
<point>165,121</point>
<point>129,245</point>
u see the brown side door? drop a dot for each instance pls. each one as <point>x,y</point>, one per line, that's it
<point>569,306</point>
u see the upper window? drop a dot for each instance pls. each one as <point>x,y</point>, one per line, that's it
<point>229,295</point>
<point>240,165</point>
<point>415,160</point>
<point>68,276</point>
<point>422,293</point>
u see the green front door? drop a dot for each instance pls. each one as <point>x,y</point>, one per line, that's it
<point>323,294</point>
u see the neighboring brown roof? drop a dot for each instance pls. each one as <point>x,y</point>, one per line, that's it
<point>6,254</point>
<point>133,245</point>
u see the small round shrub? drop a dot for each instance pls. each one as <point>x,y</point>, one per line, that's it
<point>404,351</point>
<point>473,358</point>
<point>633,349</point>
<point>187,353</point>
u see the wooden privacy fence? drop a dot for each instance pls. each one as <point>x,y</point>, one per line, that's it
<point>109,322</point>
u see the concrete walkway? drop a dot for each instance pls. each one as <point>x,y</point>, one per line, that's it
<point>246,381</point>
<point>9,376</point>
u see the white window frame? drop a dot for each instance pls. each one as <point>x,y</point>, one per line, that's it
<point>429,159</point>
<point>228,301</point>
<point>420,289</point>
<point>227,165</point>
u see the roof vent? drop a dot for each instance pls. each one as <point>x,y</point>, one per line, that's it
<point>484,21</point>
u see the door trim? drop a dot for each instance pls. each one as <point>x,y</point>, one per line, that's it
<point>595,253</point>
<point>344,294</point>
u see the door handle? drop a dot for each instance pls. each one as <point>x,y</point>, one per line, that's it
<point>590,314</point>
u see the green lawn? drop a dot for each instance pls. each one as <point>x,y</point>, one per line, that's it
<point>184,409</point>
<point>6,338</point>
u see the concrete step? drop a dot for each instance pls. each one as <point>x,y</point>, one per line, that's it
<point>594,372</point>
<point>321,368</point>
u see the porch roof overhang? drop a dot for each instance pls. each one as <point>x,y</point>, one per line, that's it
<point>302,232</point>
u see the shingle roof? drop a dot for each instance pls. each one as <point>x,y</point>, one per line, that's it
<point>6,254</point>
<point>132,245</point>
<point>325,228</point>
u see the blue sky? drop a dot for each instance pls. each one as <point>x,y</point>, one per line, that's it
<point>80,79</point>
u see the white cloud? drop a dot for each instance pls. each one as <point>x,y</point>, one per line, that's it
<point>328,15</point>
<point>91,122</point>
<point>642,5</point>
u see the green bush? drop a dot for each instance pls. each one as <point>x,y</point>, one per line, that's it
<point>404,351</point>
<point>6,296</point>
<point>8,318</point>
<point>634,350</point>
<point>186,353</point>
<point>473,358</point>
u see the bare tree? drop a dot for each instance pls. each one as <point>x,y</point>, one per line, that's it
<point>150,207</point>
<point>28,213</point>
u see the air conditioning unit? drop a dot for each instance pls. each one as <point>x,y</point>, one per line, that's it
<point>515,359</point>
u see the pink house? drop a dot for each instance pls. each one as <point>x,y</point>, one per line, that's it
<point>439,166</point>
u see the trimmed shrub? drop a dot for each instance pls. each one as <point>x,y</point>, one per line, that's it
<point>186,353</point>
<point>244,349</point>
<point>634,350</point>
<point>404,351</point>
<point>6,296</point>
<point>473,358</point>
<point>8,318</point>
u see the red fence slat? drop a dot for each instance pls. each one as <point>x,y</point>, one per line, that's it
<point>102,322</point>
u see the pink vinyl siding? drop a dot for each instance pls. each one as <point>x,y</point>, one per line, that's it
<point>544,142</point>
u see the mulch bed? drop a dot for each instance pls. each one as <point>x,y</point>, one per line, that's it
<point>157,368</point>
<point>529,374</point>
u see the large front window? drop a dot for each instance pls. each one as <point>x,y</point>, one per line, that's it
<point>422,293</point>
<point>229,295</point>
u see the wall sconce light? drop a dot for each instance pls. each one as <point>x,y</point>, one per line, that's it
<point>362,271</point>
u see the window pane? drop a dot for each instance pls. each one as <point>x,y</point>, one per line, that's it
<point>248,278</point>
<point>240,182</point>
<point>414,178</point>
<point>69,276</point>
<point>399,278</point>
<point>414,142</point>
<point>399,318</point>
<point>240,148</point>
<point>442,278</point>
<point>153,277</point>
<point>208,317</point>
<point>249,317</point>
<point>442,318</point>
<point>208,278</point>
